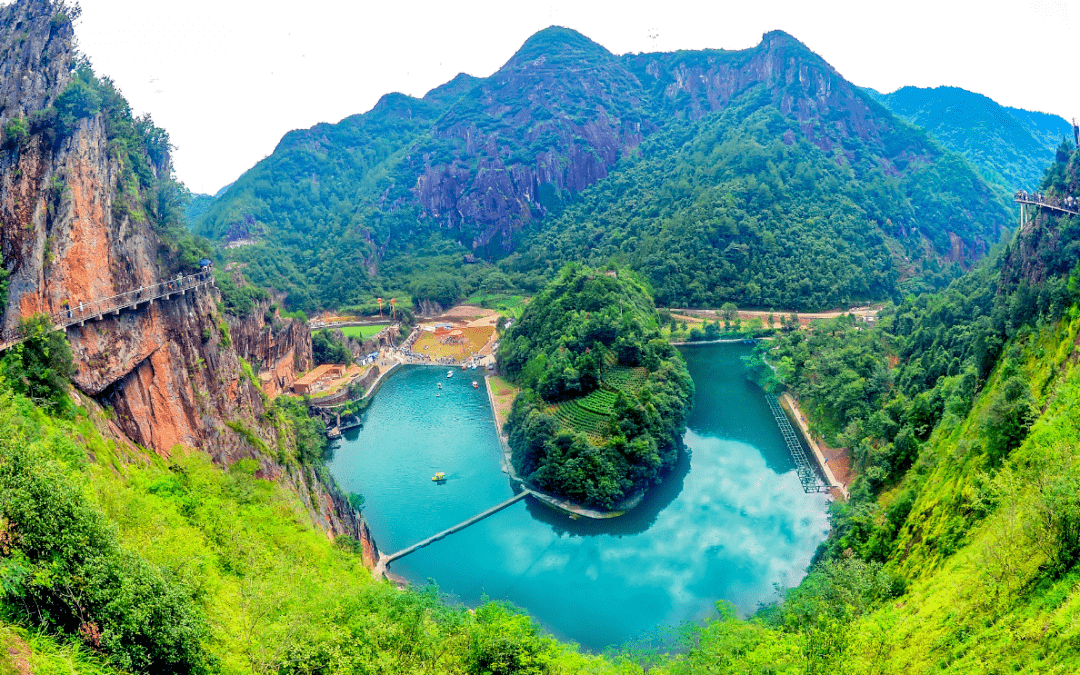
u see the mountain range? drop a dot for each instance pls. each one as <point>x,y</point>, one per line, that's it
<point>759,176</point>
<point>1009,146</point>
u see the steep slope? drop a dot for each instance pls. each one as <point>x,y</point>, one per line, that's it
<point>486,164</point>
<point>792,190</point>
<point>89,209</point>
<point>1010,147</point>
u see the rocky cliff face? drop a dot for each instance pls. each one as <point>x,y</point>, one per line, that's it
<point>555,119</point>
<point>172,371</point>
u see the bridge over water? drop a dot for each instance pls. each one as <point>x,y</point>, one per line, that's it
<point>384,560</point>
<point>114,304</point>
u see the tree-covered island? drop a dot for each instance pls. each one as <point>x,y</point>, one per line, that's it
<point>604,396</point>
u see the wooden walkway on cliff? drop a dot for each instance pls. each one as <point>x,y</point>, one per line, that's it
<point>384,559</point>
<point>807,476</point>
<point>113,305</point>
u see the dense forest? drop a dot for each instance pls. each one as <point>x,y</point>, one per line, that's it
<point>731,211</point>
<point>604,397</point>
<point>766,195</point>
<point>1009,147</point>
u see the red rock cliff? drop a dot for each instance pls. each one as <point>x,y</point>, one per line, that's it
<point>172,371</point>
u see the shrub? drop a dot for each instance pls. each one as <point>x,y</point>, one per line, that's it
<point>65,570</point>
<point>42,366</point>
<point>16,133</point>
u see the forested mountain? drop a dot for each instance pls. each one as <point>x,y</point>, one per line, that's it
<point>1010,147</point>
<point>759,176</point>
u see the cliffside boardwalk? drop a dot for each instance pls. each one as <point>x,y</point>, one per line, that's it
<point>1068,205</point>
<point>807,476</point>
<point>98,309</point>
<point>384,559</point>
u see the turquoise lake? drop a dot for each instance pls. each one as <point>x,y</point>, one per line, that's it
<point>730,521</point>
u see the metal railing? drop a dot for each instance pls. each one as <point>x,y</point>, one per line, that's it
<point>98,309</point>
<point>1067,205</point>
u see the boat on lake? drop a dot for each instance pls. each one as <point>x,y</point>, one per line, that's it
<point>440,477</point>
<point>475,384</point>
<point>449,373</point>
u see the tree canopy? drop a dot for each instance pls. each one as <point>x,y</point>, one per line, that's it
<point>604,399</point>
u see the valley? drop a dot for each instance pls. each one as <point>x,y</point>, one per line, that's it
<point>561,310</point>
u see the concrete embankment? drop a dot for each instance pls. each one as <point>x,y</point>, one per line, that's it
<point>792,408</point>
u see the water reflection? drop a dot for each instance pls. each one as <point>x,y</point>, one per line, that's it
<point>729,522</point>
<point>635,521</point>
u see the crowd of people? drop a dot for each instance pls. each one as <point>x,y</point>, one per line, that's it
<point>405,351</point>
<point>1067,203</point>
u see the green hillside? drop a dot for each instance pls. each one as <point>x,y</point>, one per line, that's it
<point>1010,147</point>
<point>957,552</point>
<point>751,178</point>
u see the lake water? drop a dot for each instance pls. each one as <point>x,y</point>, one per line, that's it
<point>728,523</point>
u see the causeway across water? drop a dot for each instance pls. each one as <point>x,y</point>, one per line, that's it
<point>384,560</point>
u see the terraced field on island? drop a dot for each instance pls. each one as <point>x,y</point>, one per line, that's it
<point>593,413</point>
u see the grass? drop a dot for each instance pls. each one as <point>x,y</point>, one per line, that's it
<point>360,332</point>
<point>510,305</point>
<point>503,392</point>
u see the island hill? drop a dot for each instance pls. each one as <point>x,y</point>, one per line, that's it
<point>604,398</point>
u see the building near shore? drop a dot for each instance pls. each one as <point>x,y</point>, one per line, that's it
<point>321,375</point>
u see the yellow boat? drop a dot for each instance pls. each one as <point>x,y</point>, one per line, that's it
<point>439,477</point>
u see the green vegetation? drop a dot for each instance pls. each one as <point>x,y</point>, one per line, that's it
<point>741,201</point>
<point>238,297</point>
<point>360,332</point>
<point>16,133</point>
<point>1009,147</point>
<point>329,347</point>
<point>604,398</point>
<point>41,367</point>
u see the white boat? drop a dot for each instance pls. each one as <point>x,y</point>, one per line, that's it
<point>449,373</point>
<point>440,385</point>
<point>472,367</point>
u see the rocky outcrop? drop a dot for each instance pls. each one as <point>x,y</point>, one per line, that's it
<point>277,350</point>
<point>35,43</point>
<point>512,159</point>
<point>172,372</point>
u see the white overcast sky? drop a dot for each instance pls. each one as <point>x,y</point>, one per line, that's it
<point>227,78</point>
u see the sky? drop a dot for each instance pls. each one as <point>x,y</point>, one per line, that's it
<point>229,78</point>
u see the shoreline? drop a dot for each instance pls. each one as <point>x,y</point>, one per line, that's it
<point>689,343</point>
<point>574,510</point>
<point>791,406</point>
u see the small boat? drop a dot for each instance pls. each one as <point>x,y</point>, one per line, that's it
<point>472,367</point>
<point>449,373</point>
<point>463,366</point>
<point>440,385</point>
<point>439,477</point>
<point>475,385</point>
<point>437,395</point>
